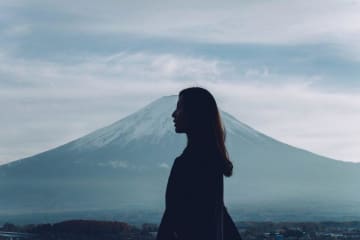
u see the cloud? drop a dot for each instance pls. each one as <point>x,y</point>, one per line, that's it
<point>287,68</point>
<point>277,21</point>
<point>114,164</point>
<point>265,22</point>
<point>164,165</point>
<point>16,30</point>
<point>45,104</point>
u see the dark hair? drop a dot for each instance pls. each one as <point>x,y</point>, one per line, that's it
<point>203,117</point>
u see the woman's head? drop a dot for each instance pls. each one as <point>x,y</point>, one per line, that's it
<point>196,112</point>
<point>198,116</point>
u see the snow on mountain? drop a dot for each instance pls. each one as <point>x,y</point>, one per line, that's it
<point>235,127</point>
<point>153,121</point>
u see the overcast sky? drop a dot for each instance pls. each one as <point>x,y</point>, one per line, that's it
<point>290,69</point>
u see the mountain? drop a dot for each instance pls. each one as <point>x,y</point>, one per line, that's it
<point>126,165</point>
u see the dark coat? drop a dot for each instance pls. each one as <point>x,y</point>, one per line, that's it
<point>194,208</point>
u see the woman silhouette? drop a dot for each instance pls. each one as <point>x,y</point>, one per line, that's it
<point>194,193</point>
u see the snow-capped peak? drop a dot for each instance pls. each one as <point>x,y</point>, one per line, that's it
<point>153,120</point>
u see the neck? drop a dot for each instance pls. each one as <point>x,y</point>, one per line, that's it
<point>195,140</point>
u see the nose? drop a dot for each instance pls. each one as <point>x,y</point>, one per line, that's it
<point>173,114</point>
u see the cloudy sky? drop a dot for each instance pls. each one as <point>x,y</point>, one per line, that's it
<point>290,69</point>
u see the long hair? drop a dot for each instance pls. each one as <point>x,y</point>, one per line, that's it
<point>203,117</point>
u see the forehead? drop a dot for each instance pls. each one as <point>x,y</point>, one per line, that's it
<point>180,100</point>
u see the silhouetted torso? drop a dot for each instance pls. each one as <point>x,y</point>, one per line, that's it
<point>194,199</point>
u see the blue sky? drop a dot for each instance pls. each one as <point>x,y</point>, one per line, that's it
<point>287,68</point>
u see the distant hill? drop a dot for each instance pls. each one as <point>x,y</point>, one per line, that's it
<point>126,166</point>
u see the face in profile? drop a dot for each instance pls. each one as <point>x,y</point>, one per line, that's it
<point>179,117</point>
